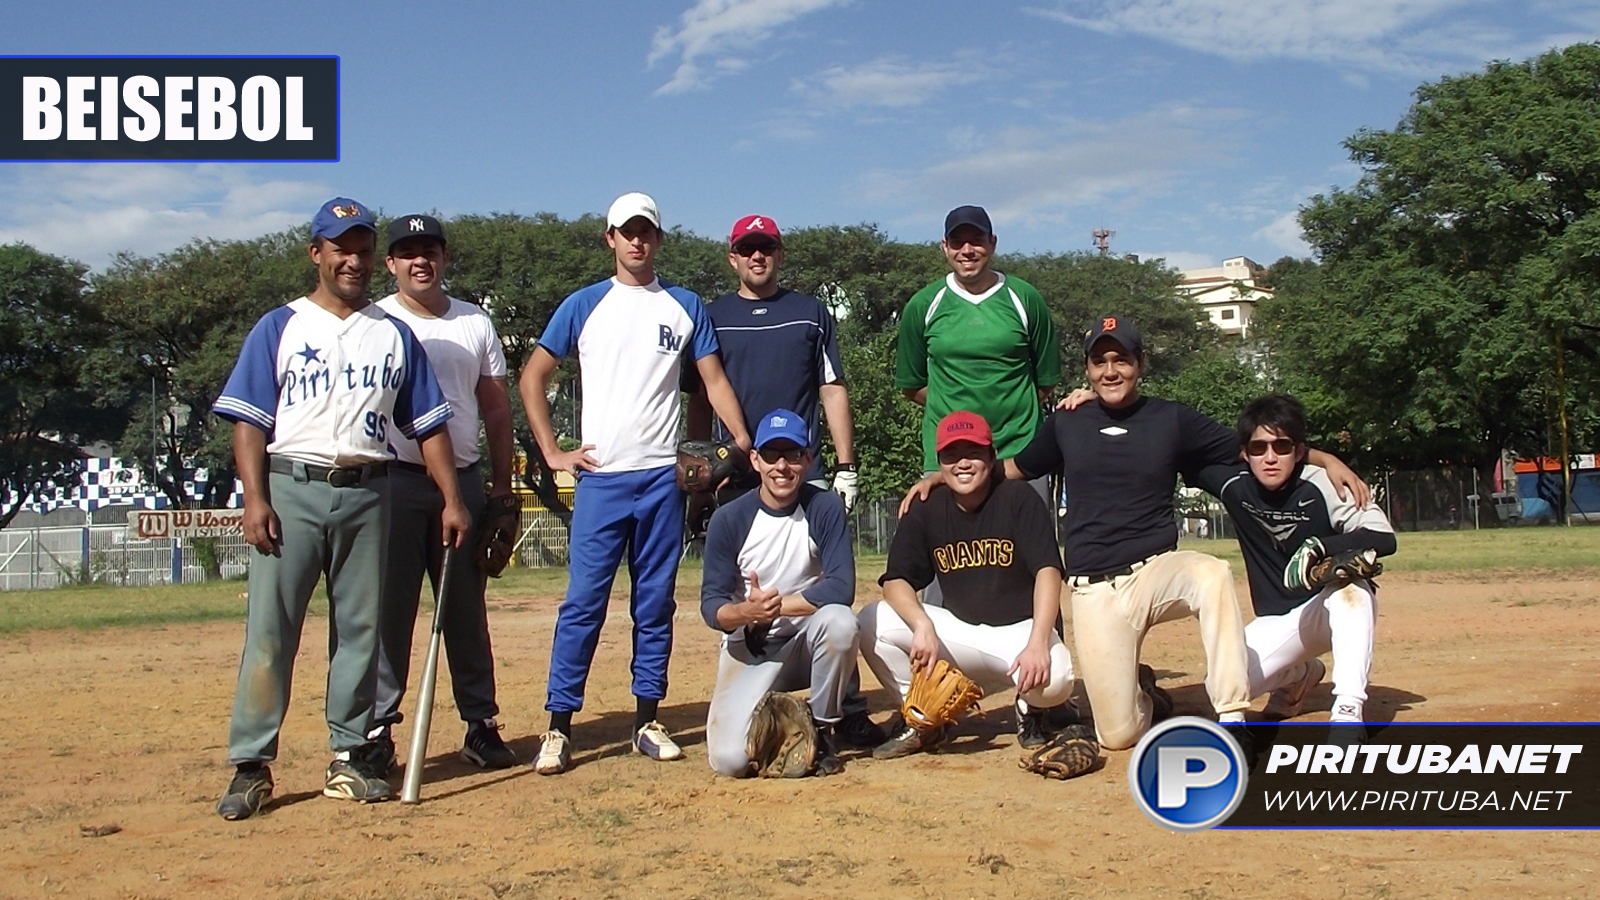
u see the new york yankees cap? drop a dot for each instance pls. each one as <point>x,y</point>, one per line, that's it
<point>629,205</point>
<point>1119,329</point>
<point>754,226</point>
<point>976,216</point>
<point>962,426</point>
<point>340,215</point>
<point>782,425</point>
<point>418,225</point>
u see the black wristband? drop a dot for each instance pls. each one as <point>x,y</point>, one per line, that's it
<point>843,467</point>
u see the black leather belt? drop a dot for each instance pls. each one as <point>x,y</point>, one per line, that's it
<point>345,476</point>
<point>1098,577</point>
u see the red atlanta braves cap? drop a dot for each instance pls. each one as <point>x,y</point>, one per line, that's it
<point>962,426</point>
<point>754,226</point>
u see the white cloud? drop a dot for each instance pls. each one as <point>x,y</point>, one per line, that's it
<point>1283,233</point>
<point>1409,37</point>
<point>1032,177</point>
<point>887,82</point>
<point>717,31</point>
<point>92,211</point>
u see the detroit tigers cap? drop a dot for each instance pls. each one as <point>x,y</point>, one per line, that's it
<point>1118,329</point>
<point>415,226</point>
<point>962,426</point>
<point>629,205</point>
<point>975,216</point>
<point>754,226</point>
<point>782,425</point>
<point>340,215</point>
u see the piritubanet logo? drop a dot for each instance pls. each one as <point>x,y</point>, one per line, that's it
<point>169,108</point>
<point>1187,774</point>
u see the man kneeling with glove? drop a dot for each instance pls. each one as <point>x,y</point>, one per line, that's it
<point>992,545</point>
<point>779,582</point>
<point>1310,557</point>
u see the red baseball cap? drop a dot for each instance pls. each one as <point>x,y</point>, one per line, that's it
<point>962,426</point>
<point>754,225</point>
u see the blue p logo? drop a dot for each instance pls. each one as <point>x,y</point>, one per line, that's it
<point>1187,774</point>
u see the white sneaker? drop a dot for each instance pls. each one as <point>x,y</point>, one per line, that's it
<point>1287,701</point>
<point>555,754</point>
<point>653,741</point>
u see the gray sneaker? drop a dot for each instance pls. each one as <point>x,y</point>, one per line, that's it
<point>249,790</point>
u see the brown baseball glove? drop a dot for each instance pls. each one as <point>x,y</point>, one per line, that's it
<point>782,741</point>
<point>498,525</point>
<point>704,465</point>
<point>1345,567</point>
<point>1073,751</point>
<point>938,696</point>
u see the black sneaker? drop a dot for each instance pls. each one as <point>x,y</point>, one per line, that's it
<point>908,741</point>
<point>356,778</point>
<point>828,762</point>
<point>1060,718</point>
<point>249,790</point>
<point>1160,700</point>
<point>484,748</point>
<point>379,750</point>
<point>857,730</point>
<point>1347,734</point>
<point>1032,731</point>
<point>1247,741</point>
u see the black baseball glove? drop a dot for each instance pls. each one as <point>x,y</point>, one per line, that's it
<point>498,525</point>
<point>1345,567</point>
<point>705,465</point>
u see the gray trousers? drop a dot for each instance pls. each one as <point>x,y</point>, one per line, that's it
<point>819,653</point>
<point>326,530</point>
<point>415,548</point>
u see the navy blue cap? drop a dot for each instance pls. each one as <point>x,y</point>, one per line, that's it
<point>340,215</point>
<point>1118,329</point>
<point>967,215</point>
<point>782,424</point>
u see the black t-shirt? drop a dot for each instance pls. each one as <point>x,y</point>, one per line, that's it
<point>986,560</point>
<point>1121,467</point>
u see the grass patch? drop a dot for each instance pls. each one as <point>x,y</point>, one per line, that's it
<point>1530,549</point>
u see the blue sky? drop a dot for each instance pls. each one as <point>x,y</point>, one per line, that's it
<point>1193,128</point>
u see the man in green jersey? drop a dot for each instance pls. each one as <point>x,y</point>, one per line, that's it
<point>983,342</point>
<point>977,340</point>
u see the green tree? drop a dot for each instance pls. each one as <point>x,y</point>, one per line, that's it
<point>180,319</point>
<point>1453,310</point>
<point>49,393</point>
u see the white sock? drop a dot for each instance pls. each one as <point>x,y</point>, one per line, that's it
<point>1228,717</point>
<point>1346,709</point>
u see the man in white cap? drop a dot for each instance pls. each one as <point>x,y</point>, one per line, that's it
<point>630,333</point>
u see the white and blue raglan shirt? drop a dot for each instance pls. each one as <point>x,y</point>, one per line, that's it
<point>630,343</point>
<point>328,391</point>
<point>804,550</point>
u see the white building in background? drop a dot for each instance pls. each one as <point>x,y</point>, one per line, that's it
<point>1228,293</point>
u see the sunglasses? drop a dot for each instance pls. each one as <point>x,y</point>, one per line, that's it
<point>1280,446</point>
<point>792,455</point>
<point>766,248</point>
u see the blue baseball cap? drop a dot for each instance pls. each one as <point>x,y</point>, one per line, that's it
<point>784,425</point>
<point>340,215</point>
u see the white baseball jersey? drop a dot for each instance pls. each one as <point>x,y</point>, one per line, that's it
<point>462,347</point>
<point>331,391</point>
<point>630,343</point>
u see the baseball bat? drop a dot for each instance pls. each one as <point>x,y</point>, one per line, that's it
<point>412,791</point>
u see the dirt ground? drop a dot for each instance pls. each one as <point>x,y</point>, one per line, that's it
<point>126,728</point>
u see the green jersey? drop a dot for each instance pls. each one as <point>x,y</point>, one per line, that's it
<point>987,354</point>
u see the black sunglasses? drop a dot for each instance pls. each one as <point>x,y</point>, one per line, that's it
<point>1280,446</point>
<point>765,247</point>
<point>771,455</point>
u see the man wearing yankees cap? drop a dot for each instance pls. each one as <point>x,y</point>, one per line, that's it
<point>631,334</point>
<point>781,351</point>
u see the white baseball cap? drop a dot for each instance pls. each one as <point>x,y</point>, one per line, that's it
<point>629,205</point>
